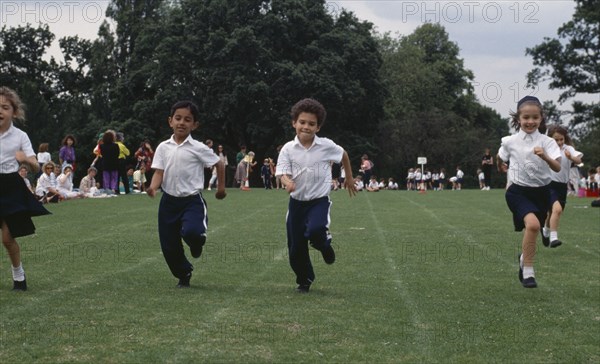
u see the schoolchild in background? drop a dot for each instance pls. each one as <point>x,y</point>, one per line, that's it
<point>558,186</point>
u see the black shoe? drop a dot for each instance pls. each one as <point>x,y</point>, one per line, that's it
<point>545,240</point>
<point>529,282</point>
<point>328,255</point>
<point>520,268</point>
<point>303,288</point>
<point>555,243</point>
<point>20,286</point>
<point>196,248</point>
<point>185,281</point>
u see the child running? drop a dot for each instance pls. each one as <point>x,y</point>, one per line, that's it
<point>304,165</point>
<point>558,186</point>
<point>178,165</point>
<point>531,155</point>
<point>17,203</point>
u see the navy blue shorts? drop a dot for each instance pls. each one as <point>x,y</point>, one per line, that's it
<point>558,192</point>
<point>524,200</point>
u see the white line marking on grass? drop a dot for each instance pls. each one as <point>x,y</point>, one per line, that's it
<point>413,307</point>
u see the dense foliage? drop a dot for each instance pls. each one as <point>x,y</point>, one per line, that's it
<point>245,62</point>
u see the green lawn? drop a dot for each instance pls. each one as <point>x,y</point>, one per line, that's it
<point>418,278</point>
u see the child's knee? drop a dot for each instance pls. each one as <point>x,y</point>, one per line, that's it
<point>532,224</point>
<point>194,234</point>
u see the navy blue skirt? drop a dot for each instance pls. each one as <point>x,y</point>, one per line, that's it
<point>524,200</point>
<point>558,192</point>
<point>18,205</point>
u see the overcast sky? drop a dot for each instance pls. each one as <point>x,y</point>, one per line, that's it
<point>492,35</point>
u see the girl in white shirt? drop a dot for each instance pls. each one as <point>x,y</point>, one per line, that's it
<point>17,203</point>
<point>532,156</point>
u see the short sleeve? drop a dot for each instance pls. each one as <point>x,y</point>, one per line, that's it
<point>503,151</point>
<point>158,162</point>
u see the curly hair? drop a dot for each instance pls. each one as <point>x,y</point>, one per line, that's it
<point>555,128</point>
<point>14,99</point>
<point>311,106</point>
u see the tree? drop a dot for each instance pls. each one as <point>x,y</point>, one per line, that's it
<point>431,110</point>
<point>572,63</point>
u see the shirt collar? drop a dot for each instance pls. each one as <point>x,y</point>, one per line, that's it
<point>187,140</point>
<point>524,136</point>
<point>316,141</point>
<point>10,129</point>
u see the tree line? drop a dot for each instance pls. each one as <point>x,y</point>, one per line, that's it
<point>245,62</point>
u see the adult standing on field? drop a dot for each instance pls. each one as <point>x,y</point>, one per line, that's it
<point>487,161</point>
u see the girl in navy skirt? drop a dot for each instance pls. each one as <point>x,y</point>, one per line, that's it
<point>17,203</point>
<point>531,156</point>
<point>558,186</point>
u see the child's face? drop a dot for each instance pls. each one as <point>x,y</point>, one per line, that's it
<point>182,122</point>
<point>6,113</point>
<point>130,172</point>
<point>23,172</point>
<point>69,142</point>
<point>560,139</point>
<point>92,173</point>
<point>530,118</point>
<point>48,169</point>
<point>306,126</point>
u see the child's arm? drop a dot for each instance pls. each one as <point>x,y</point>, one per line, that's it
<point>157,179</point>
<point>574,159</point>
<point>349,181</point>
<point>501,165</point>
<point>30,161</point>
<point>553,163</point>
<point>220,180</point>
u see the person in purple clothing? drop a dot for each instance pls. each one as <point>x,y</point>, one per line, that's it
<point>66,154</point>
<point>109,150</point>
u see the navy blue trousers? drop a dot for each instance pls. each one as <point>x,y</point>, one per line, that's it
<point>180,218</point>
<point>307,221</point>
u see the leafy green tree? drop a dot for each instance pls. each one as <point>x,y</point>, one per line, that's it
<point>571,63</point>
<point>431,110</point>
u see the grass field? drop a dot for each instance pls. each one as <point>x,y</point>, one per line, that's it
<point>418,278</point>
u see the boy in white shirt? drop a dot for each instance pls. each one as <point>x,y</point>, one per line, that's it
<point>179,171</point>
<point>304,166</point>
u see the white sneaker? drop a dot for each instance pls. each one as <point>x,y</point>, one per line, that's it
<point>209,188</point>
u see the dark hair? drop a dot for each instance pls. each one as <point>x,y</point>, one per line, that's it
<point>108,137</point>
<point>311,106</point>
<point>528,101</point>
<point>69,136</point>
<point>186,105</point>
<point>43,147</point>
<point>555,128</point>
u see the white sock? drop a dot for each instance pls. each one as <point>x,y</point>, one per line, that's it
<point>521,261</point>
<point>18,273</point>
<point>546,232</point>
<point>528,272</point>
<point>553,235</point>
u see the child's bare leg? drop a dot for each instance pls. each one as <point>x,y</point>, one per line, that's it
<point>13,249</point>
<point>532,229</point>
<point>554,216</point>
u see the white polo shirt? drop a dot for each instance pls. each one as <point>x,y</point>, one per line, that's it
<point>183,165</point>
<point>13,140</point>
<point>526,168</point>
<point>565,164</point>
<point>309,167</point>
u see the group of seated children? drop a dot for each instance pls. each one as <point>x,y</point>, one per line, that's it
<point>54,185</point>
<point>373,185</point>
